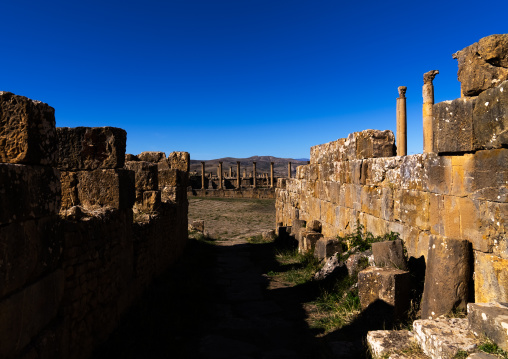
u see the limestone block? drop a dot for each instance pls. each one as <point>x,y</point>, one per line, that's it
<point>309,240</point>
<point>487,175</point>
<point>382,343</point>
<point>375,143</point>
<point>89,148</point>
<point>27,131</point>
<point>414,208</point>
<point>99,188</point>
<point>281,183</point>
<point>314,225</point>
<point>490,320</point>
<point>483,64</point>
<point>179,161</point>
<point>389,254</point>
<point>327,247</point>
<point>446,277</point>
<point>443,337</point>
<point>389,285</point>
<point>438,173</point>
<point>146,175</point>
<point>453,125</point>
<point>152,156</point>
<point>150,201</point>
<point>28,249</point>
<point>494,228</point>
<point>28,192</point>
<point>491,278</point>
<point>413,172</point>
<point>27,312</point>
<point>131,157</point>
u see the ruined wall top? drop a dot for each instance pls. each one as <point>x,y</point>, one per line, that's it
<point>358,145</point>
<point>483,65</point>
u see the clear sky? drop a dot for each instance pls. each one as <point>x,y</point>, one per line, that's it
<point>237,78</point>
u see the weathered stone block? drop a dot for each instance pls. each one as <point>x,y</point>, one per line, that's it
<point>27,312</point>
<point>414,208</point>
<point>443,337</point>
<point>375,143</point>
<point>491,278</point>
<point>152,156</point>
<point>314,225</point>
<point>150,201</point>
<point>146,175</point>
<point>28,192</point>
<point>28,249</point>
<point>389,254</point>
<point>490,118</point>
<point>27,131</point>
<point>491,320</point>
<point>446,277</point>
<point>453,125</point>
<point>309,241</point>
<point>179,161</point>
<point>327,247</point>
<point>483,64</point>
<point>90,148</point>
<point>100,188</point>
<point>390,285</point>
<point>487,177</point>
<point>382,343</point>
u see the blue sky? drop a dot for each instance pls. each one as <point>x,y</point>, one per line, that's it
<point>237,78</point>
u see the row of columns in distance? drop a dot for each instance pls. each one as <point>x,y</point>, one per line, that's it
<point>428,101</point>
<point>238,179</point>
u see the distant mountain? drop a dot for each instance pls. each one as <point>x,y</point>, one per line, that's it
<point>280,165</point>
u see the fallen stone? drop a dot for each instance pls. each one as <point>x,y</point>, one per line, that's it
<point>358,261</point>
<point>453,119</point>
<point>382,343</point>
<point>90,148</point>
<point>491,320</point>
<point>389,254</point>
<point>443,337</point>
<point>483,64</point>
<point>197,225</point>
<point>491,278</point>
<point>28,192</point>
<point>390,285</point>
<point>447,276</point>
<point>327,247</point>
<point>490,118</point>
<point>314,226</point>
<point>27,134</point>
<point>269,235</point>
<point>151,156</point>
<point>309,240</point>
<point>332,267</point>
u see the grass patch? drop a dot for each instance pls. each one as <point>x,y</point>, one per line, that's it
<point>488,346</point>
<point>295,268</point>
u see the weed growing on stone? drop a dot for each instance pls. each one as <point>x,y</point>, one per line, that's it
<point>461,354</point>
<point>488,346</point>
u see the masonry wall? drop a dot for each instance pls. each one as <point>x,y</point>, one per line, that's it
<point>234,193</point>
<point>460,191</point>
<point>81,234</point>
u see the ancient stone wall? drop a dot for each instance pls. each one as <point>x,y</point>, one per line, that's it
<point>458,192</point>
<point>234,193</point>
<point>81,235</point>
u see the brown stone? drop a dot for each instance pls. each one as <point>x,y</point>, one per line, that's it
<point>28,249</point>
<point>375,143</point>
<point>179,161</point>
<point>131,157</point>
<point>152,156</point>
<point>89,148</point>
<point>28,192</point>
<point>389,285</point>
<point>490,320</point>
<point>102,187</point>
<point>27,312</point>
<point>309,240</point>
<point>490,118</point>
<point>146,175</point>
<point>446,278</point>
<point>327,247</point>
<point>491,278</point>
<point>150,201</point>
<point>389,254</point>
<point>483,64</point>
<point>314,225</point>
<point>453,125</point>
<point>27,131</point>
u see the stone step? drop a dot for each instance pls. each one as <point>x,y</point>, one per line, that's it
<point>490,320</point>
<point>394,344</point>
<point>444,337</point>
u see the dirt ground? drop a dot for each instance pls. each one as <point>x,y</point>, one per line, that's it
<point>232,218</point>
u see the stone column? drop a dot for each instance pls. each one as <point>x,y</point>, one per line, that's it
<point>238,180</point>
<point>244,173</point>
<point>428,102</point>
<point>254,174</point>
<point>401,122</point>
<point>289,169</point>
<point>230,172</point>
<point>202,175</point>
<point>271,174</point>
<point>220,175</point>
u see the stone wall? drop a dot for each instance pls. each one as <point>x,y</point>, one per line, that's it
<point>82,234</point>
<point>458,192</point>
<point>233,193</point>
